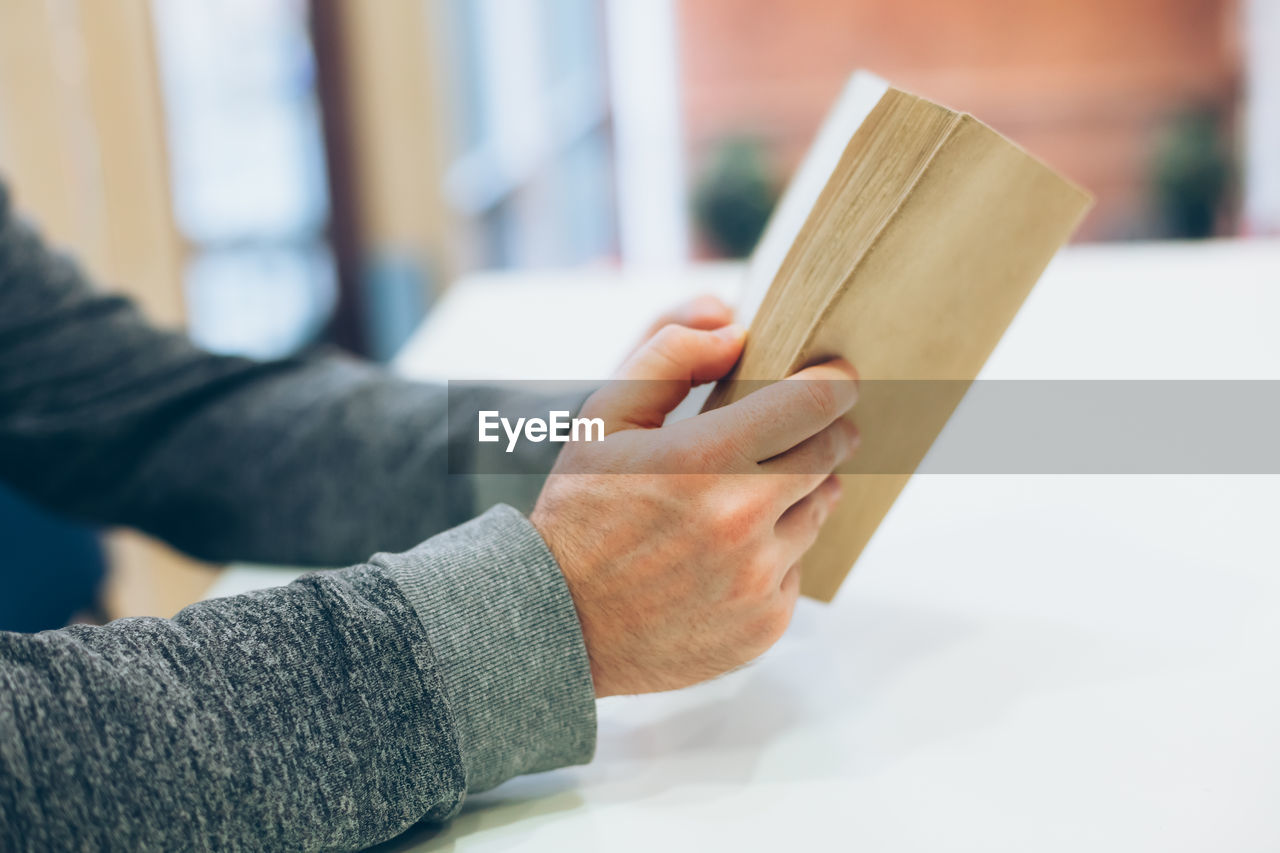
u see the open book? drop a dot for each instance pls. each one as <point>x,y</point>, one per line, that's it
<point>906,242</point>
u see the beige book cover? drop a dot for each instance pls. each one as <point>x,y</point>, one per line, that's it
<point>906,242</point>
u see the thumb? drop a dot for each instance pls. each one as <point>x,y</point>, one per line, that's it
<point>660,373</point>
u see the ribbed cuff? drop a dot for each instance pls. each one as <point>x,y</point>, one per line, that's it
<point>508,644</point>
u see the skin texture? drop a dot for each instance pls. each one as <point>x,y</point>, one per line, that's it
<point>699,573</point>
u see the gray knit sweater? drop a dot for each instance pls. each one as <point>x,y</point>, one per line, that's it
<point>330,714</point>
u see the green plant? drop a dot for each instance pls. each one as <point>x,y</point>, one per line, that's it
<point>1191,175</point>
<point>735,196</point>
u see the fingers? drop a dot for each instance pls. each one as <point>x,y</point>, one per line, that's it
<point>779,416</point>
<point>810,462</point>
<point>660,373</point>
<point>799,526</point>
<point>702,312</point>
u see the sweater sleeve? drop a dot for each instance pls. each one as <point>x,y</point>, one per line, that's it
<point>315,461</point>
<point>330,714</point>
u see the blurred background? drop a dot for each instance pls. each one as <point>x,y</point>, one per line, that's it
<point>278,174</point>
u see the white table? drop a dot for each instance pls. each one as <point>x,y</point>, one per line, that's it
<point>1017,663</point>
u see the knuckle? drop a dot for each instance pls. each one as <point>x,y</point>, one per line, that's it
<point>672,339</point>
<point>730,457</point>
<point>706,456</point>
<point>705,305</point>
<point>851,437</point>
<point>680,458</point>
<point>821,398</point>
<point>670,332</point>
<point>743,512</point>
<point>833,445</point>
<point>737,518</point>
<point>732,451</point>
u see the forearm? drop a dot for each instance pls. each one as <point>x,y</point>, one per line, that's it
<point>318,461</point>
<point>332,713</point>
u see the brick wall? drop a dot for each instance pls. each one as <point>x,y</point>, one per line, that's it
<point>1087,85</point>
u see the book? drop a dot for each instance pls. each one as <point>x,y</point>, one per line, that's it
<point>906,242</point>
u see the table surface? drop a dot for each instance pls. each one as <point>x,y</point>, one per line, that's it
<point>1017,663</point>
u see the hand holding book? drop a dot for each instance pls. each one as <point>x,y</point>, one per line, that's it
<point>680,542</point>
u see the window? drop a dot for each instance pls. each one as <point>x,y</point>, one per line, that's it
<point>247,172</point>
<point>532,175</point>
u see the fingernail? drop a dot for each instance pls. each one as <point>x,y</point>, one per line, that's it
<point>731,332</point>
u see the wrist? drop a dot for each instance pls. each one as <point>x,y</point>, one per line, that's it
<point>509,646</point>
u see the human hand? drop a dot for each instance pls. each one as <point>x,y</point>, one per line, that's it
<point>680,544</point>
<point>702,312</point>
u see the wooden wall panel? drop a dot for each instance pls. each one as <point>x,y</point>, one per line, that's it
<point>82,142</point>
